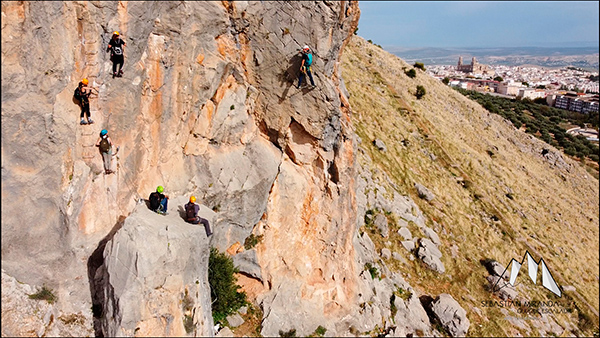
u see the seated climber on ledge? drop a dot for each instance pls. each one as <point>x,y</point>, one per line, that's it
<point>158,201</point>
<point>191,215</point>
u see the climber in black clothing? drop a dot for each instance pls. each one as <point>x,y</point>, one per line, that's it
<point>115,46</point>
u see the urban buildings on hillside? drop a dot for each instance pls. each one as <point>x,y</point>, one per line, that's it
<point>532,83</point>
<point>475,67</point>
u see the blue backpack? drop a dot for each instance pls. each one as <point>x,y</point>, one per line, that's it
<point>309,59</point>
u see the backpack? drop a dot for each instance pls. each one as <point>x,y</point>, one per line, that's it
<point>154,200</point>
<point>77,94</point>
<point>190,212</point>
<point>309,59</point>
<point>104,145</point>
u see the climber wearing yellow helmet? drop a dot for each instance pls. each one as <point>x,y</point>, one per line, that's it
<point>158,201</point>
<point>191,215</point>
<point>82,96</point>
<point>115,47</point>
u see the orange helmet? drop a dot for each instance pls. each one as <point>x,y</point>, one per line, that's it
<point>85,81</point>
<point>116,33</point>
<point>193,199</point>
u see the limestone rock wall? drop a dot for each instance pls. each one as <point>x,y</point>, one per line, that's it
<point>207,105</point>
<point>154,278</point>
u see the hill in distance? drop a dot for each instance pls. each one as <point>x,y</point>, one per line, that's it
<point>584,57</point>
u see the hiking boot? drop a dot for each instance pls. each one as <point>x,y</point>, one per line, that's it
<point>83,121</point>
<point>114,74</point>
<point>90,121</point>
<point>120,73</point>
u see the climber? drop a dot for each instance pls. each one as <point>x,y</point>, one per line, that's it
<point>105,145</point>
<point>158,201</point>
<point>191,215</point>
<point>305,68</point>
<point>115,46</point>
<point>82,95</point>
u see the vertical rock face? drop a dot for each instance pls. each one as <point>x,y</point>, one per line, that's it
<point>154,278</point>
<point>207,105</point>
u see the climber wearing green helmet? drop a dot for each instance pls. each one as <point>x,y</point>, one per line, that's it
<point>105,145</point>
<point>158,201</point>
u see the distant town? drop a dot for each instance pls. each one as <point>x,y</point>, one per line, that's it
<point>567,88</point>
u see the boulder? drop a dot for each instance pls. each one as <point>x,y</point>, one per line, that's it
<point>247,262</point>
<point>235,320</point>
<point>408,245</point>
<point>380,145</point>
<point>431,234</point>
<point>496,269</point>
<point>405,233</point>
<point>502,287</point>
<point>424,193</point>
<point>225,332</point>
<point>430,255</point>
<point>381,222</point>
<point>386,253</point>
<point>451,315</point>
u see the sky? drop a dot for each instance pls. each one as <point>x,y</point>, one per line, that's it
<point>480,23</point>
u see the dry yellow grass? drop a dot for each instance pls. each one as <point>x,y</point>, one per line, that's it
<point>516,201</point>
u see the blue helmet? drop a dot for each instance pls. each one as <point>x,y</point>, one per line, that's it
<point>103,132</point>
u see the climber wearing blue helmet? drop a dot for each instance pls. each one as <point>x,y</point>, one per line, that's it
<point>105,145</point>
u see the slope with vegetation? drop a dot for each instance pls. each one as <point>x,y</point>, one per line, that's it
<point>543,122</point>
<point>497,192</point>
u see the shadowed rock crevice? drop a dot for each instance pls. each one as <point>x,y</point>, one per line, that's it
<point>97,283</point>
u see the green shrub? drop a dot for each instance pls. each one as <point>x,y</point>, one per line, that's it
<point>223,288</point>
<point>44,293</point>
<point>372,270</point>
<point>404,294</point>
<point>319,332</point>
<point>411,73</point>
<point>446,80</point>
<point>420,92</point>
<point>419,65</point>
<point>251,241</point>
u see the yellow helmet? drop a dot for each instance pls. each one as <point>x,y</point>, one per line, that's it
<point>85,81</point>
<point>193,199</point>
<point>116,33</point>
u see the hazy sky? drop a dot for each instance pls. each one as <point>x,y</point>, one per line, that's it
<point>480,24</point>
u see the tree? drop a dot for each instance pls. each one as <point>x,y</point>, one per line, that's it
<point>420,92</point>
<point>223,288</point>
<point>526,84</point>
<point>419,65</point>
<point>446,80</point>
<point>540,100</point>
<point>498,78</point>
<point>541,87</point>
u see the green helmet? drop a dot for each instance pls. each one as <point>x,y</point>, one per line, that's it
<point>160,189</point>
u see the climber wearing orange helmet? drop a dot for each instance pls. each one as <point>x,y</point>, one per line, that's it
<point>191,215</point>
<point>82,95</point>
<point>305,69</point>
<point>115,47</point>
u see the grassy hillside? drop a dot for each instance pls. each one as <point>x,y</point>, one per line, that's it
<point>496,195</point>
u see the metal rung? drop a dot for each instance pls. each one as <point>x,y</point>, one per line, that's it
<point>83,145</point>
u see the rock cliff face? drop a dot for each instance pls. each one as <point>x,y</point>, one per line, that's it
<point>208,106</point>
